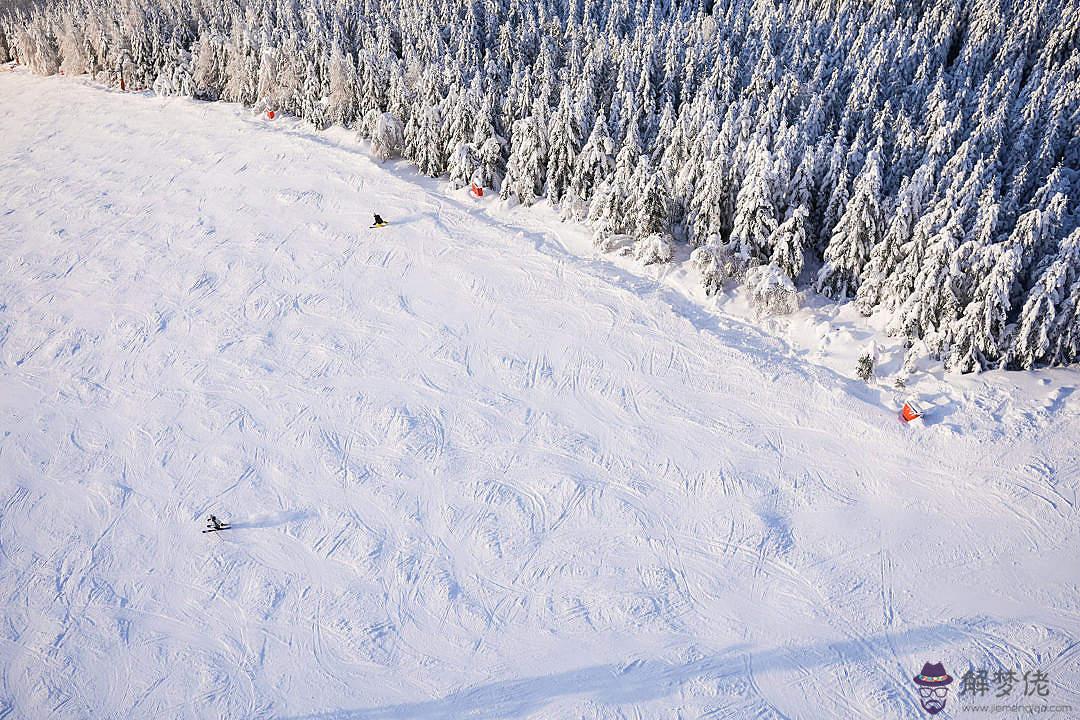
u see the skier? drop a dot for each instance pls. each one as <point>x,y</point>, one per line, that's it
<point>379,222</point>
<point>215,524</point>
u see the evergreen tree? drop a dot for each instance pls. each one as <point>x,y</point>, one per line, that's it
<point>652,211</point>
<point>525,170</point>
<point>705,213</point>
<point>789,243</point>
<point>492,163</point>
<point>72,47</point>
<point>428,142</point>
<point>624,185</point>
<point>241,69</point>
<point>387,137</point>
<point>267,84</point>
<point>595,162</point>
<point>208,72</point>
<point>857,232</point>
<point>1048,331</point>
<point>886,256</point>
<point>490,151</point>
<point>755,214</point>
<point>563,148</point>
<point>344,99</point>
<point>980,336</point>
<point>463,165</point>
<point>605,212</point>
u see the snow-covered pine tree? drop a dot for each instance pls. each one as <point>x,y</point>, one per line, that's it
<point>266,88</point>
<point>525,170</point>
<point>705,212</point>
<point>563,147</point>
<point>886,256</point>
<point>1048,332</point>
<point>430,157</point>
<point>625,183</point>
<point>241,69</point>
<point>836,191</point>
<point>605,212</point>
<point>665,132</point>
<point>595,162</point>
<point>857,231</point>
<point>492,168</point>
<point>463,164</point>
<point>490,151</point>
<point>785,163</point>
<point>387,136</point>
<point>372,81</point>
<point>461,115</point>
<point>933,302</point>
<point>864,369</point>
<point>653,215</point>
<point>803,186</point>
<point>755,215</point>
<point>289,79</point>
<point>72,46</point>
<point>35,44</point>
<point>207,69</point>
<point>343,107</point>
<point>789,243</point>
<point>979,338</point>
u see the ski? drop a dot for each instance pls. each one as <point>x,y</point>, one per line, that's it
<point>373,227</point>
<point>225,527</point>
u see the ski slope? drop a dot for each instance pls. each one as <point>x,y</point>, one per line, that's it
<point>472,471</point>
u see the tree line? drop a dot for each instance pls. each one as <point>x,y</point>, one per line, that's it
<point>920,159</point>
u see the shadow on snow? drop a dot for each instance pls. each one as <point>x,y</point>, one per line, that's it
<point>646,680</point>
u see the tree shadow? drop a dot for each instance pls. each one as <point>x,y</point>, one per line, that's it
<point>645,680</point>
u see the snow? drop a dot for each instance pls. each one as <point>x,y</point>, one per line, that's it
<point>473,469</point>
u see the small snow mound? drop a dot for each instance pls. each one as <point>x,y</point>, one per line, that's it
<point>622,244</point>
<point>653,249</point>
<point>771,291</point>
<point>717,263</point>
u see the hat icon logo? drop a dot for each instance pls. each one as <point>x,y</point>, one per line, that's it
<point>933,684</point>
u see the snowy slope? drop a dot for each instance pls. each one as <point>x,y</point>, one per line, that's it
<point>472,473</point>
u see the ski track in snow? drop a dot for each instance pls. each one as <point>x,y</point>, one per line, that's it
<point>469,473</point>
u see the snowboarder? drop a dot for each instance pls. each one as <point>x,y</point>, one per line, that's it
<point>379,222</point>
